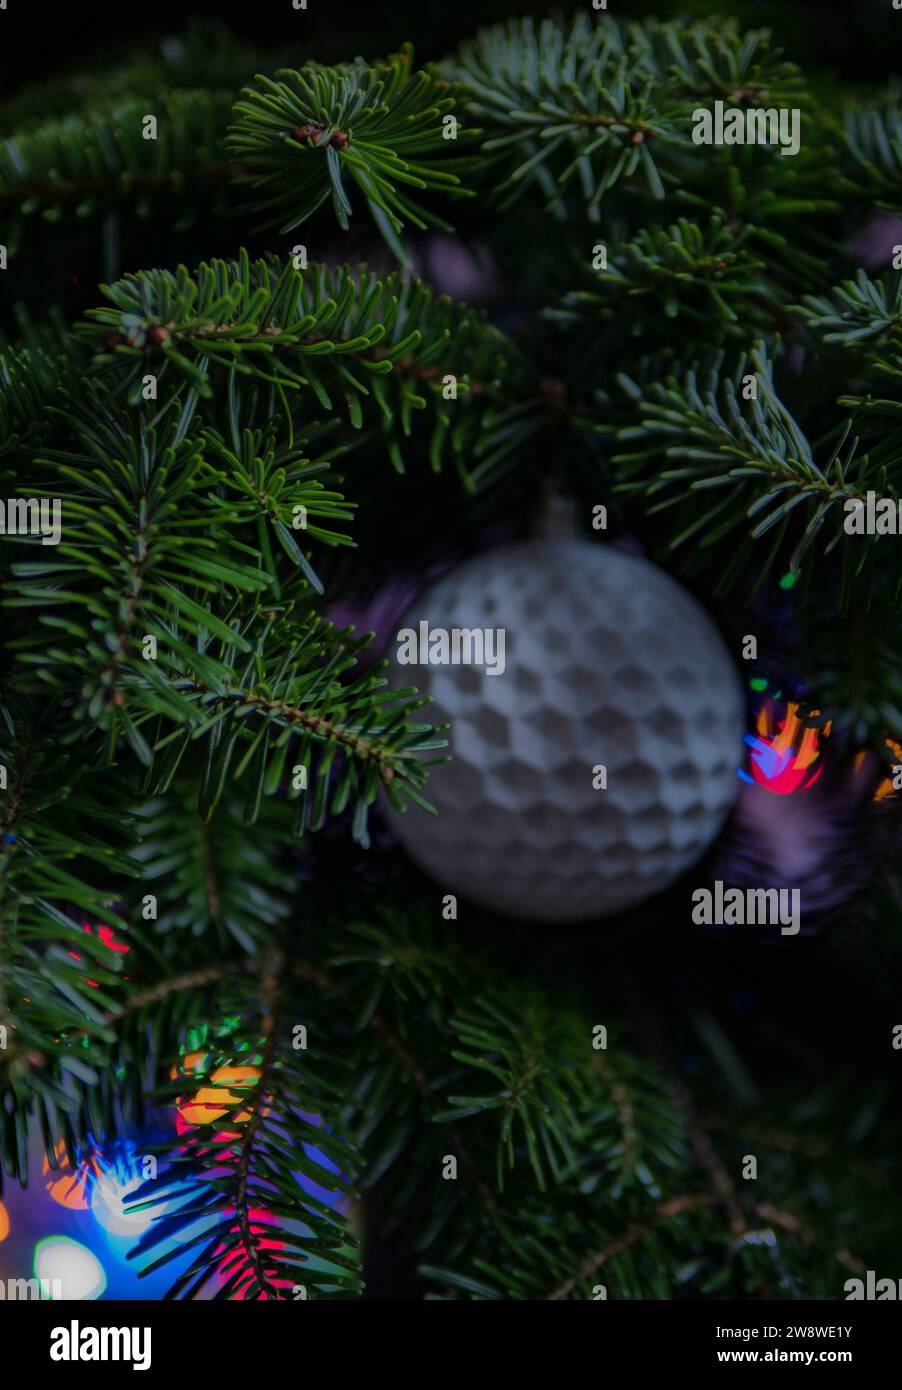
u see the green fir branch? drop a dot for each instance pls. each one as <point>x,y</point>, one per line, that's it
<point>755,468</point>
<point>247,1178</point>
<point>379,353</point>
<point>573,110</point>
<point>86,164</point>
<point>309,136</point>
<point>653,287</point>
<point>872,138</point>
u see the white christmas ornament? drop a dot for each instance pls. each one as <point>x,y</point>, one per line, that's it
<point>596,724</point>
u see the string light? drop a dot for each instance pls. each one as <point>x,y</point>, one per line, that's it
<point>214,1101</point>
<point>67,1186</point>
<point>110,1200</point>
<point>70,1269</point>
<point>785,751</point>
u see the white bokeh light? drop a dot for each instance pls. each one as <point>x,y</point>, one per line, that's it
<point>72,1272</point>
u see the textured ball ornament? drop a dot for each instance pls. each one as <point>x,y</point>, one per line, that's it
<point>607,663</point>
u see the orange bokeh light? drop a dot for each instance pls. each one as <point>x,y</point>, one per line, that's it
<point>67,1186</point>
<point>213,1101</point>
<point>886,787</point>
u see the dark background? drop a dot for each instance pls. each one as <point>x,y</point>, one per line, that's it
<point>41,37</point>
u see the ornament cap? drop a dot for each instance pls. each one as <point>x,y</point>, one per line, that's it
<point>558,518</point>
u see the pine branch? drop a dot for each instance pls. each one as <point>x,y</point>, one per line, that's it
<point>380,351</point>
<point>258,1148</point>
<point>64,848</point>
<point>861,314</point>
<point>656,285</point>
<point>558,107</point>
<point>168,627</point>
<point>855,671</point>
<point>311,704</point>
<point>210,878</point>
<point>299,138</point>
<point>755,454</point>
<point>593,1121</point>
<point>507,1044</point>
<point>872,137</point>
<point>30,379</point>
<point>261,692</point>
<point>85,164</point>
<point>574,110</point>
<point>131,556</point>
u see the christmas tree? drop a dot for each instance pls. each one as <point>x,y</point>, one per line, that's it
<point>292,340</point>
